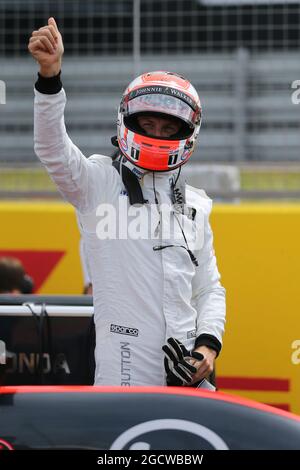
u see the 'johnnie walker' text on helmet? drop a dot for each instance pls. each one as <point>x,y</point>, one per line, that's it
<point>167,95</point>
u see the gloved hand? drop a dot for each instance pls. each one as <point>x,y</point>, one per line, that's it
<point>177,363</point>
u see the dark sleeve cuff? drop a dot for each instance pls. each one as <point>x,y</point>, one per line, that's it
<point>48,85</point>
<point>210,341</point>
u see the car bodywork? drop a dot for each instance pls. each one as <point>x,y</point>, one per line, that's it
<point>149,418</point>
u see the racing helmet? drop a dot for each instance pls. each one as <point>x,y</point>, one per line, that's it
<point>164,94</point>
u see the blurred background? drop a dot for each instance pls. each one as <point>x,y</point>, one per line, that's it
<point>243,58</point>
<point>241,55</point>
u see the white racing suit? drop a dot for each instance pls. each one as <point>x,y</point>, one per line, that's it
<point>141,296</point>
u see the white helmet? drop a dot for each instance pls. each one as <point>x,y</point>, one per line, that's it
<point>168,95</point>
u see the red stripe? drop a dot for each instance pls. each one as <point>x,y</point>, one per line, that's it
<point>254,383</point>
<point>186,391</point>
<point>281,406</point>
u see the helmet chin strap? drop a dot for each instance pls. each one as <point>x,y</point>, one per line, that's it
<point>141,172</point>
<point>137,171</point>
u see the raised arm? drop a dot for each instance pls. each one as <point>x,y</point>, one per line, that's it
<point>46,47</point>
<point>82,181</point>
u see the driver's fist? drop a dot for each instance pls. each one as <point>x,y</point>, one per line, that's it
<point>46,46</point>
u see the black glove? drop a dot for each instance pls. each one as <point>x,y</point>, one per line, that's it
<point>178,369</point>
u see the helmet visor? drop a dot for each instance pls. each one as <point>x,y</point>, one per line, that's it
<point>161,103</point>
